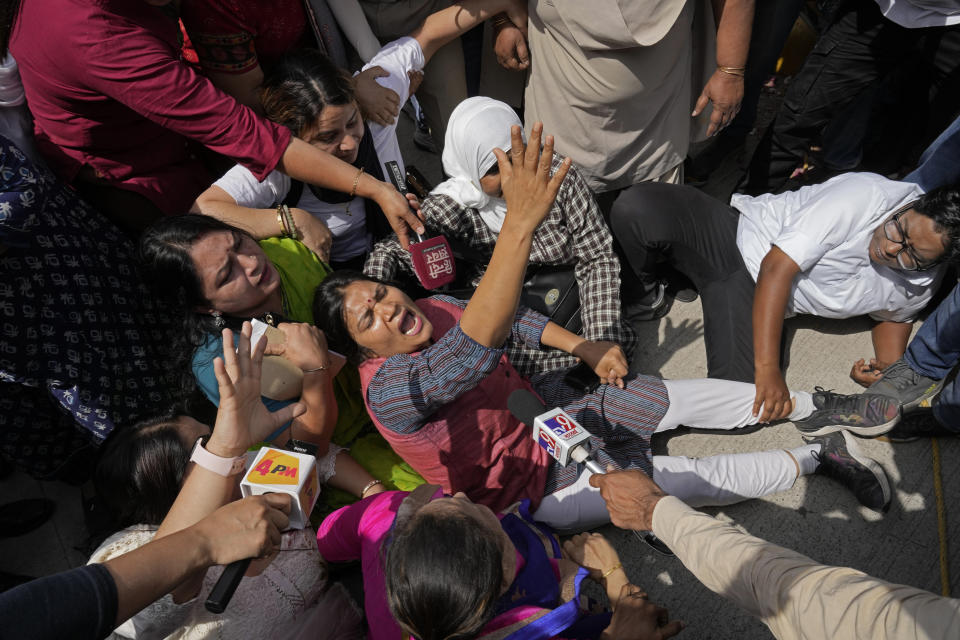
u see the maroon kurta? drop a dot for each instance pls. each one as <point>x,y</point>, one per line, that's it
<point>107,89</point>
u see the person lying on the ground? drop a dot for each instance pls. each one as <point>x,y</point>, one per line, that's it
<point>437,567</point>
<point>858,244</point>
<point>436,382</point>
<point>215,275</point>
<point>469,208</point>
<point>796,597</point>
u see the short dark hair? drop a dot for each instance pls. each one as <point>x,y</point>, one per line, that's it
<point>942,205</point>
<point>444,575</point>
<point>140,471</point>
<point>168,270</point>
<point>329,314</point>
<point>300,86</point>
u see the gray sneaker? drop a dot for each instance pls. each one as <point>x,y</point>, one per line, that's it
<point>861,414</point>
<point>910,388</point>
<point>842,459</point>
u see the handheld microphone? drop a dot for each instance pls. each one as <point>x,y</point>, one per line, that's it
<point>293,472</point>
<point>564,439</point>
<point>432,257</point>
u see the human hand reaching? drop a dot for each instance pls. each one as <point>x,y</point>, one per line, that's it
<point>606,359</point>
<point>242,418</point>
<point>636,618</point>
<point>773,396</point>
<point>377,103</point>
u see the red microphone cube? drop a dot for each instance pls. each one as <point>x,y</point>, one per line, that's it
<point>433,262</point>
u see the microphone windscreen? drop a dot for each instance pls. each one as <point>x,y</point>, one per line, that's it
<point>525,406</point>
<point>433,262</point>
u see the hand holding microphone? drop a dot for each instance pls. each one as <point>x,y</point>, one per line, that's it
<point>565,440</point>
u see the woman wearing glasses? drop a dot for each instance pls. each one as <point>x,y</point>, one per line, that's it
<point>858,244</point>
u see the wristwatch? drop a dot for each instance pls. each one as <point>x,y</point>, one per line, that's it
<point>225,467</point>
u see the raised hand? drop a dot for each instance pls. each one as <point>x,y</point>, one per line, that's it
<point>242,418</point>
<point>525,179</point>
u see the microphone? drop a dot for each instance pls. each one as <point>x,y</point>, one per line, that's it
<point>564,439</point>
<point>432,258</point>
<point>292,471</point>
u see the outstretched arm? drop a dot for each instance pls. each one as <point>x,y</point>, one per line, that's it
<point>529,191</point>
<point>774,282</point>
<point>443,26</point>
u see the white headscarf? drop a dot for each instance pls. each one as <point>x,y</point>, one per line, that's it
<point>476,127</point>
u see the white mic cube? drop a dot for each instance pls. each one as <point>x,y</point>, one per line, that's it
<point>282,471</point>
<point>558,433</point>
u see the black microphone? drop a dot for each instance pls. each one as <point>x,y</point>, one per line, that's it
<point>563,438</point>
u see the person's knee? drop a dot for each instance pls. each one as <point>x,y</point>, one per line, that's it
<point>643,212</point>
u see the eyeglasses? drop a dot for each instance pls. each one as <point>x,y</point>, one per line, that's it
<point>906,257</point>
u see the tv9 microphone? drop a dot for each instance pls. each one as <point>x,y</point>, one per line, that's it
<point>432,258</point>
<point>565,440</point>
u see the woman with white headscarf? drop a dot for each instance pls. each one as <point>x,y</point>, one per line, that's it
<point>468,207</point>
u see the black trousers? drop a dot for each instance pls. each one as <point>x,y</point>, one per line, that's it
<point>857,50</point>
<point>696,234</point>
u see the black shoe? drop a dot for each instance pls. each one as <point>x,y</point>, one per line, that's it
<point>910,388</point>
<point>920,423</point>
<point>862,414</point>
<point>650,307</point>
<point>842,459</point>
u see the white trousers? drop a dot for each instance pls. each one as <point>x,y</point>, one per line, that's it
<point>727,478</point>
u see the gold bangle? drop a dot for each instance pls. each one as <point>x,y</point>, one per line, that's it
<point>369,486</point>
<point>619,565</point>
<point>733,71</point>
<point>356,181</point>
<point>282,222</point>
<point>315,369</point>
<point>501,21</point>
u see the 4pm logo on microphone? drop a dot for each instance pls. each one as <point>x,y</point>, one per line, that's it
<point>563,426</point>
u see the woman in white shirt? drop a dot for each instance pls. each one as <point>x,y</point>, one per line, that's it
<point>858,244</point>
<point>313,98</point>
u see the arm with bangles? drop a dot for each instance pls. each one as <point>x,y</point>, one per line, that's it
<point>725,87</point>
<point>306,347</point>
<point>242,420</point>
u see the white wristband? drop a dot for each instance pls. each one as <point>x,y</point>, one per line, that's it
<point>225,467</point>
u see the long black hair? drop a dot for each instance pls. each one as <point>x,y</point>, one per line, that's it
<point>9,10</point>
<point>140,471</point>
<point>300,86</point>
<point>444,576</point>
<point>169,271</point>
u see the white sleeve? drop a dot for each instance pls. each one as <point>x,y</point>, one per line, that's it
<point>836,211</point>
<point>247,191</point>
<point>397,58</point>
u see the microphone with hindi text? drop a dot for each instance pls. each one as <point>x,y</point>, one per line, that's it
<point>432,257</point>
<point>565,440</point>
